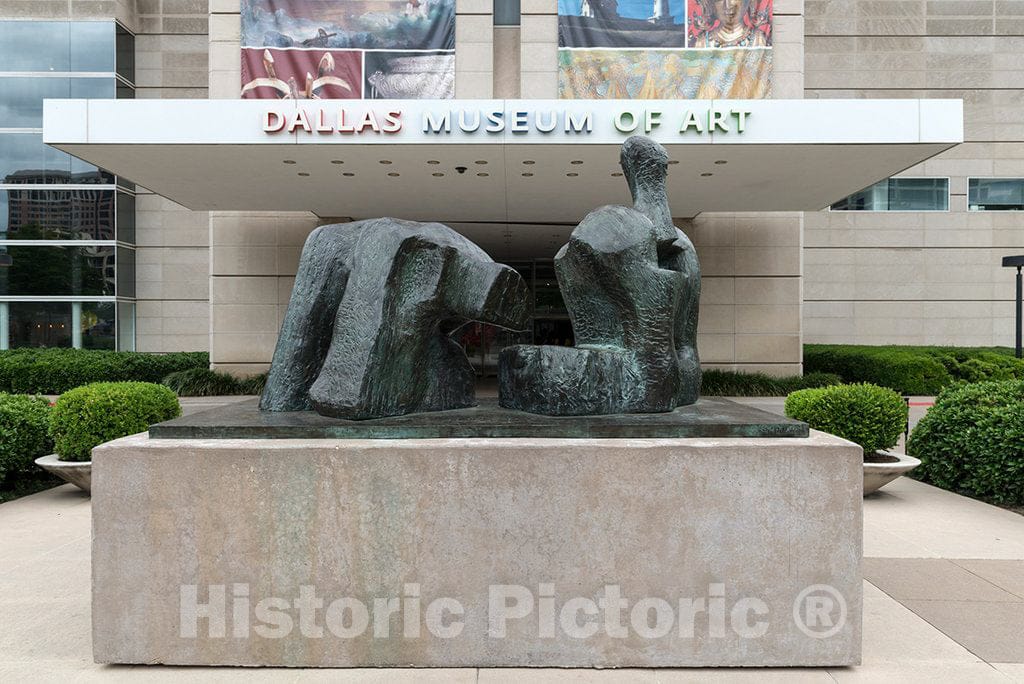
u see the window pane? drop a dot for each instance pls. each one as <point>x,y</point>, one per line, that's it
<point>98,325</point>
<point>899,194</point>
<point>995,194</point>
<point>125,218</point>
<point>506,13</point>
<point>40,213</point>
<point>125,326</point>
<point>94,88</point>
<point>34,46</point>
<point>125,54</point>
<point>92,46</point>
<point>918,194</point>
<point>125,272</point>
<point>40,324</point>
<point>21,99</point>
<point>55,271</point>
<point>25,159</point>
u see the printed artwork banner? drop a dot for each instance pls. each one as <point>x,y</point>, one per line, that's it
<point>664,49</point>
<point>348,49</point>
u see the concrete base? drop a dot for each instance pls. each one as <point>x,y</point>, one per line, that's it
<point>478,552</point>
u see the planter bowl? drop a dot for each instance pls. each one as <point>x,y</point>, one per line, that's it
<point>884,467</point>
<point>78,473</point>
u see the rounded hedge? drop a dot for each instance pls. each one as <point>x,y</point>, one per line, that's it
<point>972,441</point>
<point>874,417</point>
<point>91,415</point>
<point>24,434</point>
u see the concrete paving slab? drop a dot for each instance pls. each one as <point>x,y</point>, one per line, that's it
<point>933,579</point>
<point>1006,574</point>
<point>935,523</point>
<point>992,631</point>
<point>762,676</point>
<point>924,673</point>
<point>551,675</point>
<point>1015,671</point>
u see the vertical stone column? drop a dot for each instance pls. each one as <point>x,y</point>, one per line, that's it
<point>172,242</point>
<point>253,255</point>
<point>539,49</point>
<point>474,49</point>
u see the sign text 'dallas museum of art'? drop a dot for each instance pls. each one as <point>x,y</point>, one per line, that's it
<point>447,120</point>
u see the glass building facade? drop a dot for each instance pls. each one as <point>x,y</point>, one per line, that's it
<point>67,228</point>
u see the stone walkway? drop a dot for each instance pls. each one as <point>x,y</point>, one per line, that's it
<point>944,601</point>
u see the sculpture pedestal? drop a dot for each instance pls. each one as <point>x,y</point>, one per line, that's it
<point>478,552</point>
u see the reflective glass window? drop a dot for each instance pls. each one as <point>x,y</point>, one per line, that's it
<point>899,194</point>
<point>25,159</point>
<point>98,323</point>
<point>125,272</point>
<point>39,324</point>
<point>995,194</point>
<point>92,46</point>
<point>21,97</point>
<point>125,217</point>
<point>41,213</point>
<point>35,46</point>
<point>54,271</point>
<point>506,13</point>
<point>125,54</point>
<point>126,326</point>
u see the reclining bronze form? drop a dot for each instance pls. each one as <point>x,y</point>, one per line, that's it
<point>366,333</point>
<point>631,282</point>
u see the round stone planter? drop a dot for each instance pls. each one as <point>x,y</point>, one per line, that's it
<point>78,473</point>
<point>883,467</point>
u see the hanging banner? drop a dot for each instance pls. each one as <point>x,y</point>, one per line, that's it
<point>348,49</point>
<point>664,49</point>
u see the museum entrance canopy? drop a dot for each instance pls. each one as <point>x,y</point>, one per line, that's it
<point>516,161</point>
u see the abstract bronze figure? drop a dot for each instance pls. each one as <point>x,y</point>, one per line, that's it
<point>631,282</point>
<point>366,333</point>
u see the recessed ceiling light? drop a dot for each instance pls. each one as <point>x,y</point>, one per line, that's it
<point>337,161</point>
<point>385,161</point>
<point>303,174</point>
<point>616,173</point>
<point>437,175</point>
<point>576,161</point>
<point>706,174</point>
<point>394,174</point>
<point>529,161</point>
<point>483,174</point>
<point>289,161</point>
<point>721,161</point>
<point>480,161</point>
<point>527,174</point>
<point>433,161</point>
<point>572,175</point>
<point>673,161</point>
<point>348,173</point>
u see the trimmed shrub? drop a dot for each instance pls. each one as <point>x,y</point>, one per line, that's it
<point>719,383</point>
<point>972,441</point>
<point>91,415</point>
<point>24,431</point>
<point>873,417</point>
<point>913,370</point>
<point>53,371</point>
<point>203,382</point>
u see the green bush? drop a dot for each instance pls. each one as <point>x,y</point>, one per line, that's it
<point>972,441</point>
<point>87,416</point>
<point>203,382</point>
<point>873,417</point>
<point>53,371</point>
<point>719,383</point>
<point>24,436</point>
<point>913,370</point>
